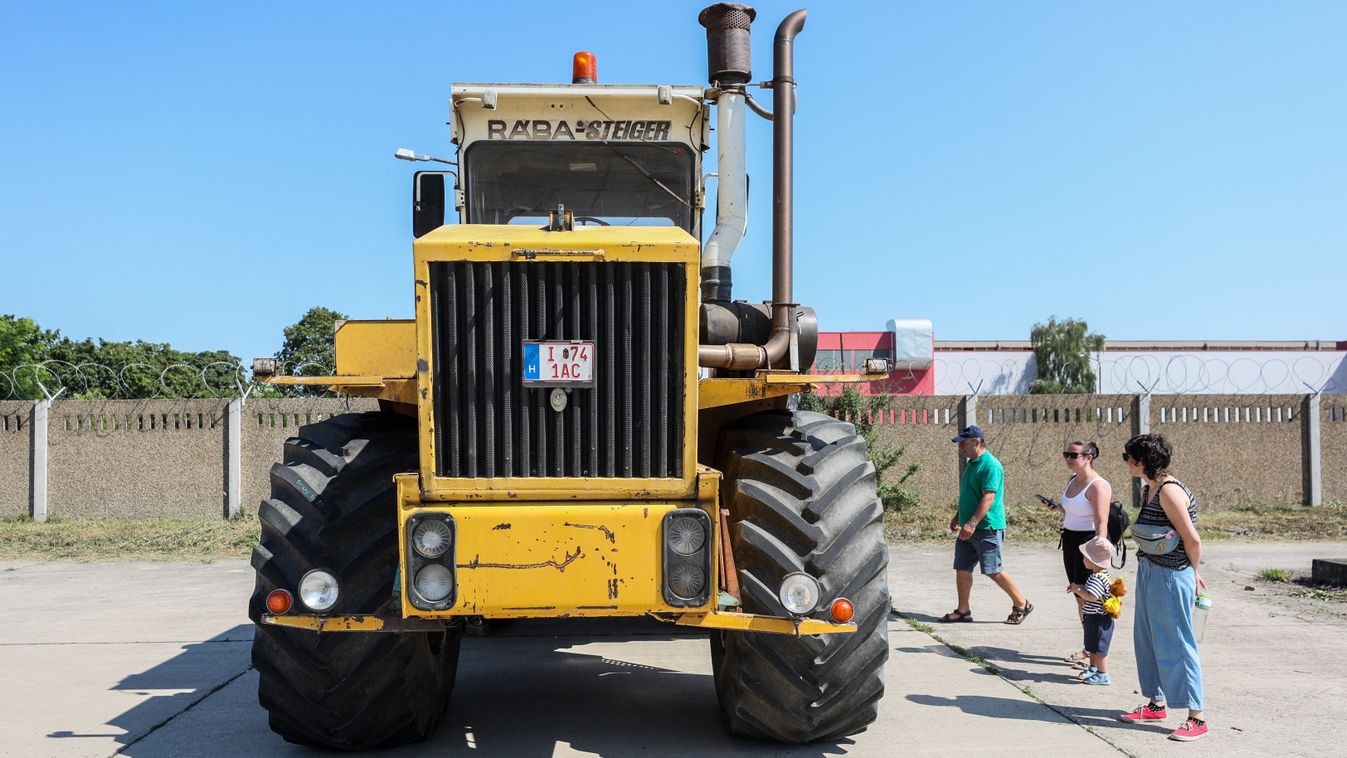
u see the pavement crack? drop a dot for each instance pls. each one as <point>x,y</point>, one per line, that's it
<point>189,707</point>
<point>929,631</point>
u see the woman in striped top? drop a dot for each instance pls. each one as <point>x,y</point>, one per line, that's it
<point>1167,586</point>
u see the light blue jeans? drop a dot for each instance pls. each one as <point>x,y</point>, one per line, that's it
<point>1167,662</point>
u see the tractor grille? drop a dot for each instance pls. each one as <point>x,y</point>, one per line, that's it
<point>487,424</point>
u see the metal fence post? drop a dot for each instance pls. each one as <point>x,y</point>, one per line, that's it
<point>1313,451</point>
<point>234,456</point>
<point>968,415</point>
<point>38,506</point>
<point>1141,424</point>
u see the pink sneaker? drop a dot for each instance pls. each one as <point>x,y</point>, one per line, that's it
<point>1147,712</point>
<point>1192,729</point>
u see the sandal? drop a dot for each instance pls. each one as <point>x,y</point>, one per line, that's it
<point>1078,657</point>
<point>957,615</point>
<point>1017,614</point>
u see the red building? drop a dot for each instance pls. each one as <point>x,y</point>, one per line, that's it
<point>845,352</point>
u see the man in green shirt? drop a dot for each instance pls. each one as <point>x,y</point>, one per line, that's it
<point>981,523</point>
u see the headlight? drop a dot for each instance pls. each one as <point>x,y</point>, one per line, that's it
<point>319,590</point>
<point>686,535</point>
<point>799,593</point>
<point>687,580</point>
<point>434,583</point>
<point>431,538</point>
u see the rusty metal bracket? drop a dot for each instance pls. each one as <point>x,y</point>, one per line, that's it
<point>752,622</point>
<point>729,574</point>
<point>359,623</point>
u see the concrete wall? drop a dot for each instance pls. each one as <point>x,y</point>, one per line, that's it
<point>923,426</point>
<point>1235,449</point>
<point>139,459</point>
<point>1333,447</point>
<point>1232,449</point>
<point>16,446</point>
<point>1028,434</point>
<point>136,459</point>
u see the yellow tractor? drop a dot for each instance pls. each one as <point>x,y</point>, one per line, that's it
<point>579,422</point>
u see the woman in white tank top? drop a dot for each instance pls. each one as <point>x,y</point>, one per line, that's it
<point>1084,507</point>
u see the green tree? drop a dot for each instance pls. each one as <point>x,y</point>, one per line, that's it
<point>310,347</point>
<point>860,410</point>
<point>1062,351</point>
<point>309,343</point>
<point>22,343</point>
<point>98,369</point>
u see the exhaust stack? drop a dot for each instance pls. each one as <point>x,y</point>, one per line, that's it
<point>727,36</point>
<point>728,67</point>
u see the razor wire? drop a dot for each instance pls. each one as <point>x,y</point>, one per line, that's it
<point>143,381</point>
<point>1179,374</point>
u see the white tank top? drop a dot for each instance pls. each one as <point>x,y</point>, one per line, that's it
<point>1079,509</point>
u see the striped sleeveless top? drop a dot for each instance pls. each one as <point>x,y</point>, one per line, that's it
<point>1153,514</point>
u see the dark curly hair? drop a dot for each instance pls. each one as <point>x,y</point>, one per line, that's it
<point>1086,447</point>
<point>1152,451</point>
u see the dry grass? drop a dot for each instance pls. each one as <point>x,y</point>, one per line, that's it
<point>210,539</point>
<point>88,539</point>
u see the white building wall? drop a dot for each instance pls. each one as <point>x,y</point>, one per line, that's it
<point>1206,372</point>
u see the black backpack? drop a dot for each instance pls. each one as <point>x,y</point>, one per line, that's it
<point>1118,521</point>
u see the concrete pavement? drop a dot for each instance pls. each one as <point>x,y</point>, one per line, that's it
<point>151,659</point>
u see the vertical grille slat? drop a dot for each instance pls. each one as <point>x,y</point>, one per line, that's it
<point>525,446</point>
<point>661,373</point>
<point>627,418</point>
<point>609,358</point>
<point>573,319</point>
<point>471,340</point>
<point>592,401</point>
<point>647,359</point>
<point>490,371</point>
<point>508,359</point>
<point>555,274</point>
<point>488,424</point>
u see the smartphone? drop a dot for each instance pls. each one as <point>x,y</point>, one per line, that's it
<point>1046,501</point>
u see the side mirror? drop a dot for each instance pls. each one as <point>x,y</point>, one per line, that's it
<point>427,202</point>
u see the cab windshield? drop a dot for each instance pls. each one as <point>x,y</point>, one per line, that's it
<point>607,184</point>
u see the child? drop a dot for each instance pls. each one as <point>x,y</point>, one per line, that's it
<point>1100,593</point>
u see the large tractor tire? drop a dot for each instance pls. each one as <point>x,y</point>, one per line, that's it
<point>333,506</point>
<point>801,494</point>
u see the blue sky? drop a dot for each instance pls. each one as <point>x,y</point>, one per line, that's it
<point>202,175</point>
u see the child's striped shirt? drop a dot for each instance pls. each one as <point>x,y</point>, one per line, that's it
<point>1097,585</point>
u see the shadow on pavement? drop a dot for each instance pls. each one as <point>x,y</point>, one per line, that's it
<point>176,684</point>
<point>533,686</point>
<point>524,688</point>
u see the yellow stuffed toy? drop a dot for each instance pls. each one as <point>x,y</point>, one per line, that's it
<point>1113,606</point>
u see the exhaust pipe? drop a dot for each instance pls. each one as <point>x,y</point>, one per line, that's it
<point>785,330</point>
<point>728,67</point>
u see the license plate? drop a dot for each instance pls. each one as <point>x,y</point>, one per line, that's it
<point>559,364</point>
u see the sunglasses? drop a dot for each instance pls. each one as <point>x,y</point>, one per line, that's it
<point>1071,456</point>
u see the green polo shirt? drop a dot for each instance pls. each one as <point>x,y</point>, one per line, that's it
<point>983,473</point>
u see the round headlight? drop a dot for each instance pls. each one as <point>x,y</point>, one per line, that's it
<point>686,581</point>
<point>799,593</point>
<point>434,583</point>
<point>686,535</point>
<point>319,590</point>
<point>431,538</point>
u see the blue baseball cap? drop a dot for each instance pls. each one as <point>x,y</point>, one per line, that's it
<point>967,433</point>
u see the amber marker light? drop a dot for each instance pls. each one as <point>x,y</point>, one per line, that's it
<point>842,610</point>
<point>279,602</point>
<point>584,69</point>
